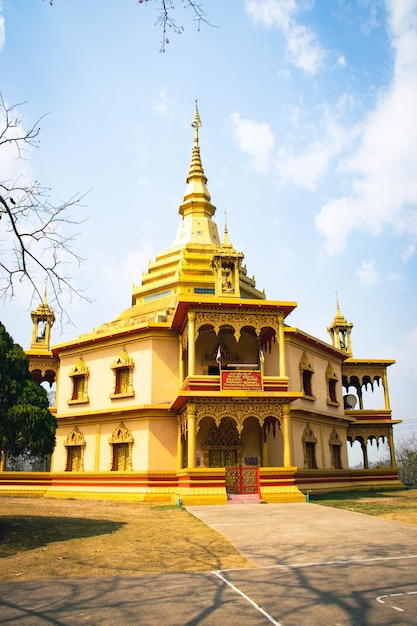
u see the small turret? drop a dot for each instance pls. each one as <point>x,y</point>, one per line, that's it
<point>340,330</point>
<point>43,319</point>
<point>225,264</point>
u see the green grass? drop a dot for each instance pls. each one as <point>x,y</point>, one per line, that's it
<point>392,504</point>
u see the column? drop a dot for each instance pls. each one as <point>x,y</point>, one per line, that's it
<point>191,419</point>
<point>286,433</point>
<point>385,385</point>
<point>191,343</point>
<point>179,444</point>
<point>180,361</point>
<point>391,448</point>
<point>281,345</point>
<point>264,450</point>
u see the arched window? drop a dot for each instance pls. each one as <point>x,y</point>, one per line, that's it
<point>306,375</point>
<point>309,448</point>
<point>123,376</point>
<point>79,376</point>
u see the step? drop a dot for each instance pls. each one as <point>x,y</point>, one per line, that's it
<point>243,498</point>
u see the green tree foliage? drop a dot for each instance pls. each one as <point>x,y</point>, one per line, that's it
<point>26,423</point>
<point>406,457</point>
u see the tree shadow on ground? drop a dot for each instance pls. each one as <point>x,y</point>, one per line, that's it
<point>24,532</point>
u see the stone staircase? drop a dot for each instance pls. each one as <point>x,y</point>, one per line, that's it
<point>243,498</point>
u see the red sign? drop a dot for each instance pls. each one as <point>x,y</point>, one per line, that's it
<point>246,380</point>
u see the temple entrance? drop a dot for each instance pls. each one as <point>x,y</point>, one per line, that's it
<point>223,446</point>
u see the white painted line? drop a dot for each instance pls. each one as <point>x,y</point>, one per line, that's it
<point>246,597</point>
<point>395,595</point>
<point>314,563</point>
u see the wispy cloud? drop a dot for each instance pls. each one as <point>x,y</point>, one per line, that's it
<point>368,275</point>
<point>302,46</point>
<point>383,191</point>
<point>255,139</point>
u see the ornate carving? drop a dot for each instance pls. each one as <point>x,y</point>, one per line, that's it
<point>334,439</point>
<point>368,432</point>
<point>238,410</point>
<point>75,445</point>
<point>121,435</point>
<point>308,435</point>
<point>237,321</point>
<point>75,438</point>
<point>123,375</point>
<point>305,363</point>
<point>121,443</point>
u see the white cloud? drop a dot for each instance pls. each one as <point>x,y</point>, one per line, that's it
<point>408,251</point>
<point>255,139</point>
<point>308,167</point>
<point>161,105</point>
<point>384,186</point>
<point>368,275</point>
<point>303,49</point>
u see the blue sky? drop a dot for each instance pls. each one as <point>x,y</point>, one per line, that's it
<point>308,142</point>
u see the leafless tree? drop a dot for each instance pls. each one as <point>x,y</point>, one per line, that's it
<point>36,235</point>
<point>167,19</point>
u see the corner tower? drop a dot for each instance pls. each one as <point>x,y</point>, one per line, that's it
<point>340,330</point>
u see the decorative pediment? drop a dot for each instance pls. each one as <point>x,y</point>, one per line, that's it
<point>75,438</point>
<point>330,373</point>
<point>334,439</point>
<point>121,435</point>
<point>308,435</point>
<point>80,368</point>
<point>123,360</point>
<point>305,364</point>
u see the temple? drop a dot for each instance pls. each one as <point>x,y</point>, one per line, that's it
<point>201,391</point>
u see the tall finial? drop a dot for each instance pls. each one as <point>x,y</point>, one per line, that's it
<point>337,303</point>
<point>45,300</point>
<point>196,123</point>
<point>226,240</point>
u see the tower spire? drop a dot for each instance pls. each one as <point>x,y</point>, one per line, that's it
<point>340,330</point>
<point>226,241</point>
<point>196,208</point>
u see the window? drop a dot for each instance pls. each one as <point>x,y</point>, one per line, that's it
<point>335,449</point>
<point>75,445</point>
<point>123,376</point>
<point>331,381</point>
<point>309,448</point>
<point>79,376</point>
<point>121,444</point>
<point>306,375</point>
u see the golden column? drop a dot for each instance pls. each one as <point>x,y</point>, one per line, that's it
<point>281,345</point>
<point>191,343</point>
<point>385,386</point>
<point>391,448</point>
<point>179,444</point>
<point>180,361</point>
<point>286,433</point>
<point>191,419</point>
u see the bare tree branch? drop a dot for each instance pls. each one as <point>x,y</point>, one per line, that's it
<point>167,20</point>
<point>36,234</point>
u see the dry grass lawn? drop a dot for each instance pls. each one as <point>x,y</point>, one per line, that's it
<point>43,538</point>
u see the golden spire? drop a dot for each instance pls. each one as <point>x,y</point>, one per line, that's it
<point>339,331</point>
<point>196,208</point>
<point>226,241</point>
<point>196,176</point>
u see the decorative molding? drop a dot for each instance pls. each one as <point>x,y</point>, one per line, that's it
<point>238,410</point>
